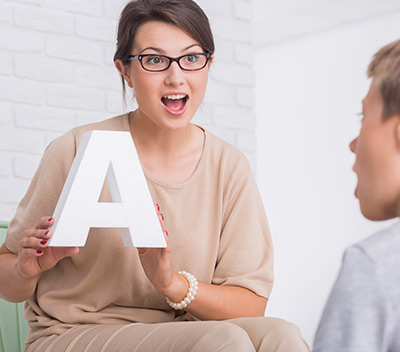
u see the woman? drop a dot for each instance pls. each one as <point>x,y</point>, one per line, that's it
<point>107,297</point>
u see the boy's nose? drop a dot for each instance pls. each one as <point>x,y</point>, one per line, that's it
<point>353,145</point>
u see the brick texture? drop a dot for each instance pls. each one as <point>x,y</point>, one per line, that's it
<point>56,72</point>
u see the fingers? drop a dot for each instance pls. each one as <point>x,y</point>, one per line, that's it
<point>63,252</point>
<point>145,251</point>
<point>38,235</point>
<point>160,215</point>
<point>34,242</point>
<point>58,252</point>
<point>35,239</point>
<point>44,223</point>
<point>142,251</point>
<point>34,255</point>
<point>161,219</point>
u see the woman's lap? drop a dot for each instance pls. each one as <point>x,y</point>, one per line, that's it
<point>272,334</point>
<point>244,334</point>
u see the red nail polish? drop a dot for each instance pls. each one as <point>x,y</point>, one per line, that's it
<point>43,242</point>
<point>158,207</point>
<point>46,232</point>
<point>166,232</point>
<point>39,251</point>
<point>162,217</point>
<point>49,219</point>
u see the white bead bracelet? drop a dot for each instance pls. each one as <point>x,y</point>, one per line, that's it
<point>190,295</point>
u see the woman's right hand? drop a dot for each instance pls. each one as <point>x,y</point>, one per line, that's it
<point>34,255</point>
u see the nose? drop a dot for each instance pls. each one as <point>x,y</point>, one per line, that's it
<point>174,76</point>
<point>353,145</point>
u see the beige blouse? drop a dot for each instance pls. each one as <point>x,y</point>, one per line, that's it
<point>217,229</point>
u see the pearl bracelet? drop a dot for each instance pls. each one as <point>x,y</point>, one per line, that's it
<point>190,295</point>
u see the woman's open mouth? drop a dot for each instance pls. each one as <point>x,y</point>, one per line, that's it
<point>175,104</point>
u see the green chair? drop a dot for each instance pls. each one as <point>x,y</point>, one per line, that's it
<point>13,326</point>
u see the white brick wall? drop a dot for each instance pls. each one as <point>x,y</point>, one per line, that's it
<point>56,72</point>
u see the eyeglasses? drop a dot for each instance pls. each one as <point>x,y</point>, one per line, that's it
<point>159,63</point>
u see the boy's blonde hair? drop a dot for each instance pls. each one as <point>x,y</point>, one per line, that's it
<point>385,66</point>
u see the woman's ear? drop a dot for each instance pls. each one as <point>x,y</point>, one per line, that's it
<point>211,60</point>
<point>123,70</point>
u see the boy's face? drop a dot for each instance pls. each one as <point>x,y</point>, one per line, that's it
<point>377,164</point>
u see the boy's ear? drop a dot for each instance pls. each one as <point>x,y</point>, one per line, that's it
<point>397,117</point>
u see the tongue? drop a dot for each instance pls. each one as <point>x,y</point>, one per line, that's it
<point>174,104</point>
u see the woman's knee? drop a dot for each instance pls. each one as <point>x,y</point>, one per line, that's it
<point>224,336</point>
<point>283,327</point>
<point>287,336</point>
<point>272,334</point>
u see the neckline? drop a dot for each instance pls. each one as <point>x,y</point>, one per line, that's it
<point>192,177</point>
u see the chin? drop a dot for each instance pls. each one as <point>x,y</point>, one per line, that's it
<point>376,214</point>
<point>177,125</point>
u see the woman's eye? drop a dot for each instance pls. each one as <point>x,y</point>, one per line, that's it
<point>192,58</point>
<point>154,60</point>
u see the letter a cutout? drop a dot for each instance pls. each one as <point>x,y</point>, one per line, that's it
<point>109,155</point>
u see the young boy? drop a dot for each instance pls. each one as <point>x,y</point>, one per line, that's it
<point>363,310</point>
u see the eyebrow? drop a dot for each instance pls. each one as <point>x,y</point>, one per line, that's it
<point>163,52</point>
<point>191,46</point>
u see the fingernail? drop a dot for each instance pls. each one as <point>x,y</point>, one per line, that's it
<point>43,242</point>
<point>46,232</point>
<point>49,219</point>
<point>39,251</point>
<point>162,217</point>
<point>158,207</point>
<point>166,232</point>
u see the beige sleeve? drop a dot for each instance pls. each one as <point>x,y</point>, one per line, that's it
<point>44,190</point>
<point>245,256</point>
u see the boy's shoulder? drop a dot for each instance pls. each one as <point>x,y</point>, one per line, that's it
<point>383,241</point>
<point>382,249</point>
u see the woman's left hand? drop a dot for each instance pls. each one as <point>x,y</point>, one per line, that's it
<point>157,264</point>
<point>213,302</point>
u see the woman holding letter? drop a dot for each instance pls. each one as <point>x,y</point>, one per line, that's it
<point>208,289</point>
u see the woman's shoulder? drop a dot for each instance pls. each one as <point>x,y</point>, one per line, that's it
<point>72,138</point>
<point>226,154</point>
<point>116,123</point>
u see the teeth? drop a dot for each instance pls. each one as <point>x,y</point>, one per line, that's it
<point>175,96</point>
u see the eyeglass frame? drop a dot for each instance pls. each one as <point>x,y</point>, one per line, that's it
<point>171,60</point>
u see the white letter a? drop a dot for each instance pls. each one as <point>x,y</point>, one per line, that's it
<point>109,155</point>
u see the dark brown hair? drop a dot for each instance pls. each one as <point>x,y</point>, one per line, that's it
<point>386,67</point>
<point>185,14</point>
